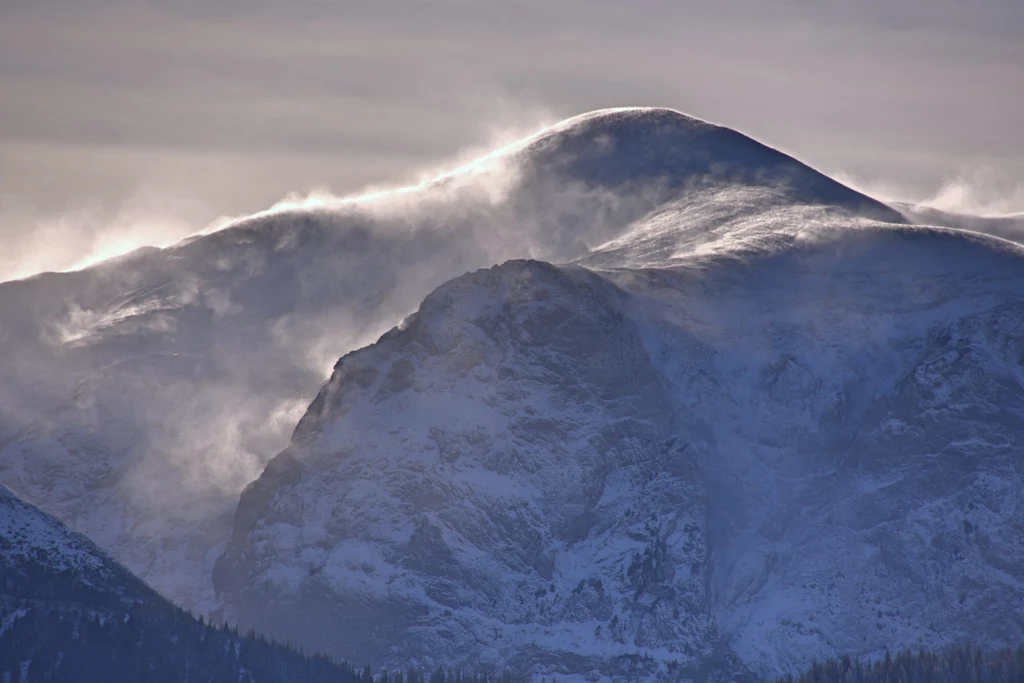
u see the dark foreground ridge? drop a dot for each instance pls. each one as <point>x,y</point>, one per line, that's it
<point>70,613</point>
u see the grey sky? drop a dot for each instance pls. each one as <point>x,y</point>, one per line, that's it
<point>133,116</point>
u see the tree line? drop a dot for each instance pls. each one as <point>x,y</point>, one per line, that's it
<point>967,664</point>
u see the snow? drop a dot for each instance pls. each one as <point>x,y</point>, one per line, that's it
<point>35,547</point>
<point>135,394</point>
<point>29,534</point>
<point>11,617</point>
<point>765,359</point>
<point>773,374</point>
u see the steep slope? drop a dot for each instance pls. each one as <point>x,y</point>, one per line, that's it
<point>138,397</point>
<point>448,482</point>
<point>42,560</point>
<point>70,613</point>
<point>741,452</point>
<point>864,402</point>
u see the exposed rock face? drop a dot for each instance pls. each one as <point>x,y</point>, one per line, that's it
<point>798,444</point>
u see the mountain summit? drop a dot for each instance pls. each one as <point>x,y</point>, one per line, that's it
<point>615,148</point>
<point>737,467</point>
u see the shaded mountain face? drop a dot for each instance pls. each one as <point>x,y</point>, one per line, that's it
<point>42,561</point>
<point>473,486</point>
<point>70,613</point>
<point>738,454</point>
<point>138,397</point>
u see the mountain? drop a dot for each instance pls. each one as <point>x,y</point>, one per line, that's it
<point>139,397</point>
<point>70,613</point>
<point>720,416</point>
<point>748,434</point>
<point>44,561</point>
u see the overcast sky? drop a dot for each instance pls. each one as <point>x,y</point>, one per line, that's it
<point>161,116</point>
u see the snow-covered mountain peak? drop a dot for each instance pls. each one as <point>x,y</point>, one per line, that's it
<point>579,183</point>
<point>724,304</point>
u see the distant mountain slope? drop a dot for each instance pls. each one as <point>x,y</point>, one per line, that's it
<point>793,441</point>
<point>138,397</point>
<point>70,613</point>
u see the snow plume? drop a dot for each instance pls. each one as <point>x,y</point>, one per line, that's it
<point>973,191</point>
<point>979,191</point>
<point>159,214</point>
<point>80,236</point>
<point>394,244</point>
<point>976,199</point>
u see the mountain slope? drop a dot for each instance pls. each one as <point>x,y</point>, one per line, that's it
<point>138,397</point>
<point>70,613</point>
<point>792,441</point>
<point>451,479</point>
<point>42,560</point>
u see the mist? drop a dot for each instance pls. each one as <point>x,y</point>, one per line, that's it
<point>184,367</point>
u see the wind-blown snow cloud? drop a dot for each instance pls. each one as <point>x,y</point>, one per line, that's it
<point>37,240</point>
<point>977,191</point>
